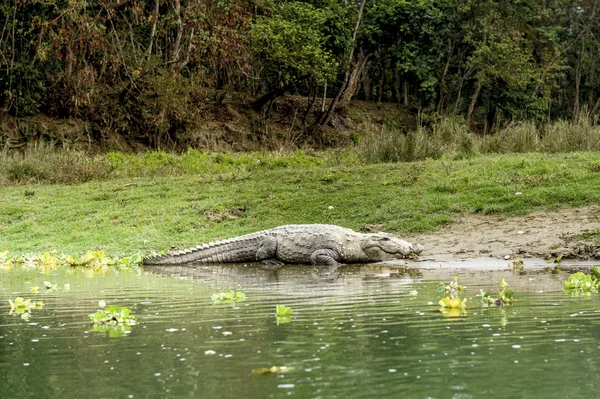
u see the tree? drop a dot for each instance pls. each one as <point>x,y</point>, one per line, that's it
<point>290,49</point>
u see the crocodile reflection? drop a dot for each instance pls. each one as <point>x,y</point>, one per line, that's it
<point>293,278</point>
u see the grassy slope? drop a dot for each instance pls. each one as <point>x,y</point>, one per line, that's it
<point>123,216</point>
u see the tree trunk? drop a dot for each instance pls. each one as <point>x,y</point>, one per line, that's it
<point>395,83</point>
<point>311,103</point>
<point>444,73</point>
<point>578,84</point>
<point>324,97</point>
<point>593,110</point>
<point>353,80</point>
<point>366,85</point>
<point>461,81</point>
<point>473,103</point>
<point>380,84</point>
<point>153,30</point>
<point>176,45</point>
<point>189,50</point>
<point>405,93</point>
<point>336,99</point>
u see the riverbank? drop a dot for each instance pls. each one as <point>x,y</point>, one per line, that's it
<point>239,194</point>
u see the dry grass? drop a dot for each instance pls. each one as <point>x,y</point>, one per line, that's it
<point>450,137</point>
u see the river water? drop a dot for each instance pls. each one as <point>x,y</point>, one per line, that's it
<point>355,332</point>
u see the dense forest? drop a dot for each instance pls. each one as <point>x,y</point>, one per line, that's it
<point>142,66</point>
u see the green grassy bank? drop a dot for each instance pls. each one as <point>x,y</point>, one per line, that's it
<point>231,195</point>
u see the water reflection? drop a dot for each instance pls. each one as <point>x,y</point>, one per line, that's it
<point>341,279</point>
<point>356,331</point>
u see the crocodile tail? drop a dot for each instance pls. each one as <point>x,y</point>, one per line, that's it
<point>233,250</point>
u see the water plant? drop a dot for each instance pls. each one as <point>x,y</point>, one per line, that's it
<point>96,261</point>
<point>24,307</point>
<point>452,305</point>
<point>582,284</point>
<point>113,320</point>
<point>517,266</point>
<point>504,297</point>
<point>230,297</point>
<point>284,314</point>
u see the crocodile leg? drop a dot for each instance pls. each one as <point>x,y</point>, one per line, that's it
<point>327,257</point>
<point>267,250</point>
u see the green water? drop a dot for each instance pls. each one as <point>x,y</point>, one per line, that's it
<point>355,333</point>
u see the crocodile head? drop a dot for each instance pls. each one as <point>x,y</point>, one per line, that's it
<point>382,246</point>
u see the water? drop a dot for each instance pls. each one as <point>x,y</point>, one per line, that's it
<point>358,332</point>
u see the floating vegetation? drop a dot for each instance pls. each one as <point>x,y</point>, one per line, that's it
<point>24,307</point>
<point>97,261</point>
<point>517,266</point>
<point>272,370</point>
<point>113,320</point>
<point>48,286</point>
<point>284,314</point>
<point>504,297</point>
<point>582,284</point>
<point>230,297</point>
<point>452,305</point>
<point>452,289</point>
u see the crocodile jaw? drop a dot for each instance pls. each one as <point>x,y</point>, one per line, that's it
<point>385,246</point>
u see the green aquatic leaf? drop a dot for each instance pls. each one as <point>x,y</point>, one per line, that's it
<point>230,297</point>
<point>457,303</point>
<point>21,306</point>
<point>283,314</point>
<point>503,282</point>
<point>113,320</point>
<point>283,310</point>
<point>580,283</point>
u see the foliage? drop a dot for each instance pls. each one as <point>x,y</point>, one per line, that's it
<point>113,320</point>
<point>582,284</point>
<point>452,305</point>
<point>284,314</point>
<point>95,261</point>
<point>291,45</point>
<point>139,69</point>
<point>504,297</point>
<point>230,297</point>
<point>24,307</point>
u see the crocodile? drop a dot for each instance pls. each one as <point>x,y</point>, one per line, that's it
<point>317,244</point>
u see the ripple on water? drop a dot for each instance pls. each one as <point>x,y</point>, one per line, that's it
<point>354,330</point>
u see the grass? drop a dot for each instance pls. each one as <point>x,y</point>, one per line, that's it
<point>593,236</point>
<point>227,195</point>
<point>450,136</point>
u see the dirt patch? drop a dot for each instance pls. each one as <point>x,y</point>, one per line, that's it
<point>547,234</point>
